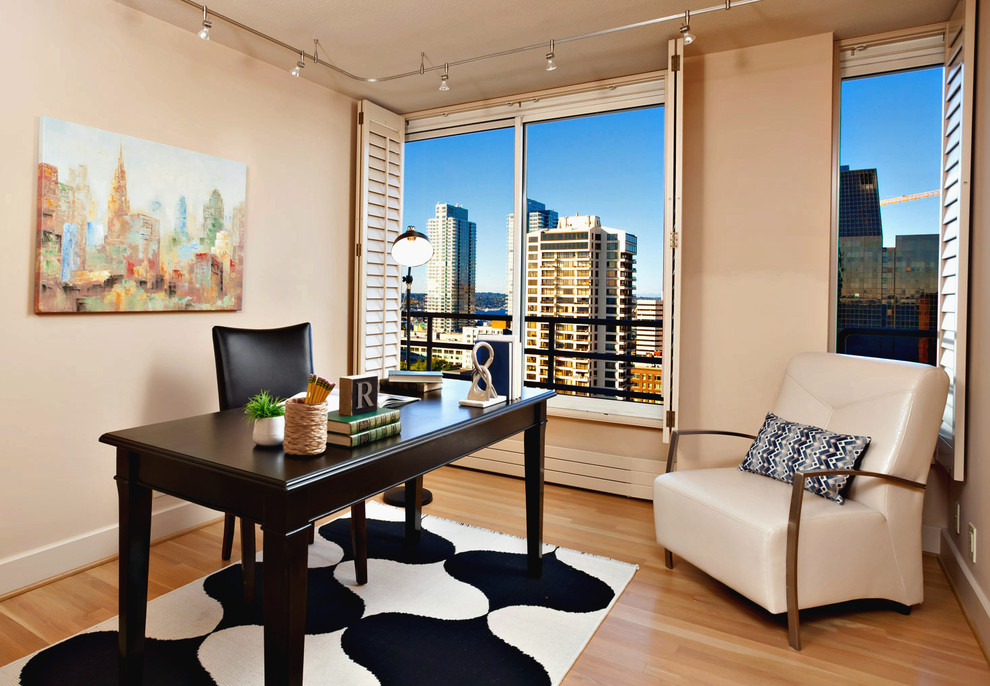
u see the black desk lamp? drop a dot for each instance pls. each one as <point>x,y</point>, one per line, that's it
<point>410,249</point>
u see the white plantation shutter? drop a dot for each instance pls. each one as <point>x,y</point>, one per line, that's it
<point>672,225</point>
<point>378,306</point>
<point>957,136</point>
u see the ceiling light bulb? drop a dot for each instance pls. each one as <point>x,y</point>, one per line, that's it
<point>550,63</point>
<point>204,32</point>
<point>686,29</point>
<point>296,70</point>
<point>443,79</point>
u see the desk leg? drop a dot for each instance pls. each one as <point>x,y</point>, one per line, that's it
<point>134,504</point>
<point>248,561</point>
<point>284,605</point>
<point>414,510</point>
<point>359,542</point>
<point>534,444</point>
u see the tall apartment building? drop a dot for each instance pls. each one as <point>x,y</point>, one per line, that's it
<point>580,269</point>
<point>538,217</point>
<point>649,340</point>
<point>450,274</point>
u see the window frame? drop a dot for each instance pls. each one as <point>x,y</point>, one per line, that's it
<point>646,90</point>
<point>926,46</point>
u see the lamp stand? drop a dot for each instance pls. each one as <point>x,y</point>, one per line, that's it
<point>397,496</point>
<point>407,279</point>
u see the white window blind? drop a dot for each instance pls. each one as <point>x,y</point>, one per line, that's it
<point>377,288</point>
<point>957,136</point>
<point>672,226</point>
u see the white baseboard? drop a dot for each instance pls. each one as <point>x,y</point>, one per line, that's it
<point>169,515</point>
<point>971,596</point>
<point>931,539</point>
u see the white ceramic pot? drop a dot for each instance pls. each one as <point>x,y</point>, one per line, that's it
<point>269,431</point>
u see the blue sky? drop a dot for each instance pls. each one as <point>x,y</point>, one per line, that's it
<point>583,165</point>
<point>893,123</point>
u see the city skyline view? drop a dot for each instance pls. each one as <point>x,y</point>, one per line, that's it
<point>888,254</point>
<point>578,166</point>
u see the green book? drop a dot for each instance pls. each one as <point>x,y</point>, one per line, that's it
<point>344,424</point>
<point>369,436</point>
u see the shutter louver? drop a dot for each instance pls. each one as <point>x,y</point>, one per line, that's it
<point>378,305</point>
<point>954,248</point>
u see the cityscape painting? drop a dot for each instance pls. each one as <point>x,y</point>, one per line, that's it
<point>129,225</point>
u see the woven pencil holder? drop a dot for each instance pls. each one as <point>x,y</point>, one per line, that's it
<point>305,427</point>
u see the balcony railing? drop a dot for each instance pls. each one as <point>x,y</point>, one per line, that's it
<point>893,344</point>
<point>552,352</point>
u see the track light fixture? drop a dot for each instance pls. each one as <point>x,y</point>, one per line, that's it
<point>443,79</point>
<point>550,63</point>
<point>204,32</point>
<point>686,26</point>
<point>296,70</point>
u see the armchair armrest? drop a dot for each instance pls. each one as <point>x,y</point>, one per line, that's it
<point>675,434</point>
<point>794,529</point>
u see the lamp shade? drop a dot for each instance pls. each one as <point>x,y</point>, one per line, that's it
<point>412,248</point>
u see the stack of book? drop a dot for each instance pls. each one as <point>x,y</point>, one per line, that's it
<point>412,383</point>
<point>361,429</point>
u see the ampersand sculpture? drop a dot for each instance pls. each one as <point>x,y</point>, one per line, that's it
<point>476,396</point>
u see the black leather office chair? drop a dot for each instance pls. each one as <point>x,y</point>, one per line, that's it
<point>279,361</point>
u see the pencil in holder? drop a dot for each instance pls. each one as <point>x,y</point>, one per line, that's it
<point>305,427</point>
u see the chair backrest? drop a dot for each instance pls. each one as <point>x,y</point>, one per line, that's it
<point>251,360</point>
<point>897,404</point>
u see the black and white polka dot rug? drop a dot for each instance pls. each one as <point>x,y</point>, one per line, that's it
<point>455,610</point>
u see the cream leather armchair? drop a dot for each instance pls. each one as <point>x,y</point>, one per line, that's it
<point>787,549</point>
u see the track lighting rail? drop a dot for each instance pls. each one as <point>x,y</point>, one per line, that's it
<point>728,4</point>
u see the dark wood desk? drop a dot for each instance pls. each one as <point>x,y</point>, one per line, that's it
<point>211,460</point>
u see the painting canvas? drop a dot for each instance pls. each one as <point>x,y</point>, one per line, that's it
<point>128,225</point>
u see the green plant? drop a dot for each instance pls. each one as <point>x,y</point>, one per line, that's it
<point>264,405</point>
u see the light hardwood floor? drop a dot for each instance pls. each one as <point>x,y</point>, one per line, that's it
<point>670,626</point>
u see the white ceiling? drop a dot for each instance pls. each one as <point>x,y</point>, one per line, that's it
<point>374,39</point>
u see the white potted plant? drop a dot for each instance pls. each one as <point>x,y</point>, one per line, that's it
<point>268,414</point>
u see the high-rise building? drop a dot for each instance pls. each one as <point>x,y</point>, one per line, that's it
<point>450,274</point>
<point>649,340</point>
<point>538,217</point>
<point>860,251</point>
<point>580,269</point>
<point>882,288</point>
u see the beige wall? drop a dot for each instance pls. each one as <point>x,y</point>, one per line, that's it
<point>68,378</point>
<point>973,495</point>
<point>756,233</point>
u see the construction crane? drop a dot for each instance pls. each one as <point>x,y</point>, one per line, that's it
<point>905,198</point>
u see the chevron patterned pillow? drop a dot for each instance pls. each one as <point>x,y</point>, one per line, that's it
<point>783,448</point>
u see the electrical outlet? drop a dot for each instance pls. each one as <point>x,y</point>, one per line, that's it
<point>972,542</point>
<point>958,518</point>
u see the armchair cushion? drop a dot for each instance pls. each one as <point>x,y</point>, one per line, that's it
<point>782,448</point>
